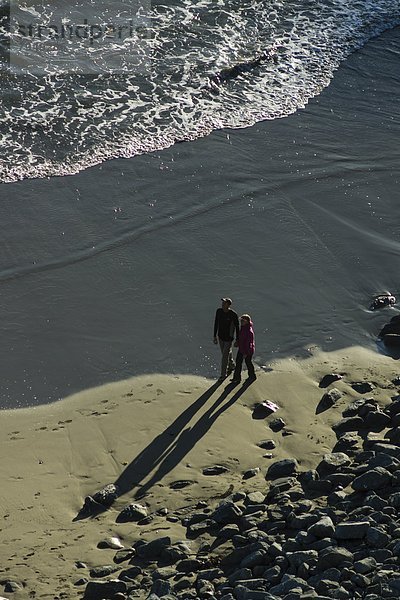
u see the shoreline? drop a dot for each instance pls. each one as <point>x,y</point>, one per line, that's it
<point>161,429</point>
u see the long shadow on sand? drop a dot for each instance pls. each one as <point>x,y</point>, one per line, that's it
<point>171,446</point>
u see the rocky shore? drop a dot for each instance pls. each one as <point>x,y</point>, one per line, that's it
<point>329,532</point>
<point>176,487</point>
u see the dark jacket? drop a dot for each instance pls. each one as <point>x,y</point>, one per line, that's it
<point>226,324</point>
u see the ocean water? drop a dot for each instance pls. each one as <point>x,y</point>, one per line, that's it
<point>283,196</point>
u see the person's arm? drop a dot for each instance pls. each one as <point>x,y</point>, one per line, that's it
<point>251,342</point>
<point>216,326</point>
<point>236,321</point>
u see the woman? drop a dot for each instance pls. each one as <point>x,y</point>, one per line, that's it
<point>246,349</point>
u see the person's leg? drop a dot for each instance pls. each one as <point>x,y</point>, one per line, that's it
<point>250,367</point>
<point>238,368</point>
<point>231,362</point>
<point>225,349</point>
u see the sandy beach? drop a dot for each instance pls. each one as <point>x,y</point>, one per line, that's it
<point>144,434</point>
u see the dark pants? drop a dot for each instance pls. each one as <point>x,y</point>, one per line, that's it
<point>239,362</point>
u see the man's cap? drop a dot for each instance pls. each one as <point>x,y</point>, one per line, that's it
<point>228,300</point>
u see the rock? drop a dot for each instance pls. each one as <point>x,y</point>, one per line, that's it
<point>394,500</point>
<point>360,407</point>
<point>189,565</point>
<point>130,574</point>
<point>267,444</point>
<point>101,500</point>
<point>112,542</point>
<point>373,479</point>
<point>152,550</point>
<point>328,400</point>
<point>123,555</point>
<point>377,538</point>
<point>180,484</point>
<point>347,442</point>
<point>329,378</point>
<point>215,470</point>
<point>282,468</point>
<point>103,571</point>
<point>12,586</point>
<point>255,498</point>
<point>277,424</point>
<point>323,528</point>
<point>376,421</point>
<point>365,565</point>
<point>393,435</point>
<point>334,557</point>
<point>351,530</point>
<point>348,424</point>
<point>161,588</point>
<point>332,462</point>
<point>362,387</point>
<point>226,512</point>
<point>264,409</point>
<point>296,559</point>
<point>198,528</point>
<point>102,590</point>
<point>132,512</point>
<point>251,473</point>
<point>382,300</point>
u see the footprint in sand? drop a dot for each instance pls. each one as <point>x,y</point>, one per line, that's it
<point>160,392</point>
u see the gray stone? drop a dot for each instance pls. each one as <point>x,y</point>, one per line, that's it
<point>377,538</point>
<point>255,498</point>
<point>132,512</point>
<point>102,590</point>
<point>348,424</point>
<point>323,528</point>
<point>209,574</point>
<point>153,549</point>
<point>228,531</point>
<point>334,557</point>
<point>196,529</point>
<point>253,559</point>
<point>351,530</point>
<point>374,479</point>
<point>164,573</point>
<point>227,512</point>
<point>360,407</point>
<point>365,565</point>
<point>376,421</point>
<point>394,500</point>
<point>130,574</point>
<point>386,448</point>
<point>180,484</point>
<point>188,565</point>
<point>102,571</point>
<point>215,470</point>
<point>267,444</point>
<point>386,461</point>
<point>362,387</point>
<point>393,435</point>
<point>277,424</point>
<point>161,588</point>
<point>239,574</point>
<point>251,473</point>
<point>329,378</point>
<point>332,462</point>
<point>282,468</point>
<point>12,586</point>
<point>296,559</point>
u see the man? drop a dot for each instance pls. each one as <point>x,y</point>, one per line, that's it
<point>225,325</point>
